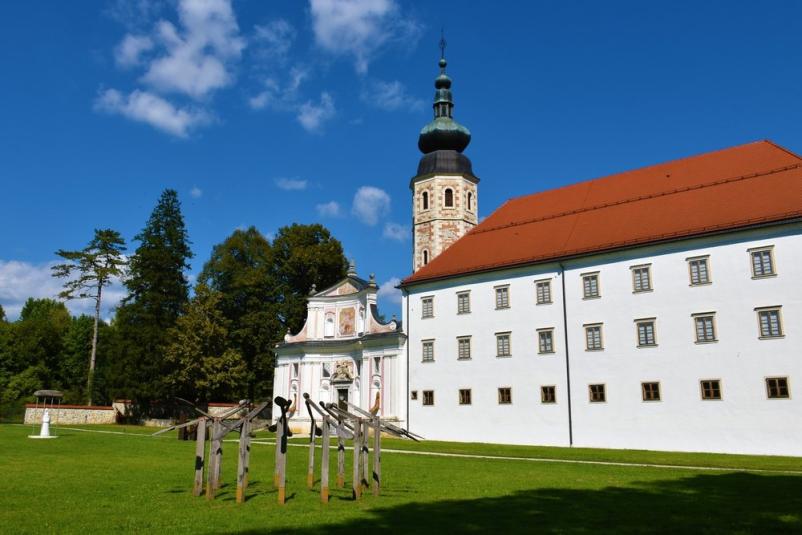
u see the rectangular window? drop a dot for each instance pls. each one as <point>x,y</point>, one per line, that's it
<point>545,340</point>
<point>505,396</point>
<point>543,291</point>
<point>428,351</point>
<point>295,370</point>
<point>646,336</point>
<point>593,337</point>
<point>503,345</point>
<point>762,262</point>
<point>590,285</point>
<point>427,307</point>
<point>597,393</point>
<point>463,303</point>
<point>770,322</point>
<point>699,271</point>
<point>711,388</point>
<point>464,347</point>
<point>777,387</point>
<point>651,391</point>
<point>548,394</point>
<point>428,397</point>
<point>641,278</point>
<point>705,327</point>
<point>465,396</point>
<point>413,395</point>
<point>503,297</point>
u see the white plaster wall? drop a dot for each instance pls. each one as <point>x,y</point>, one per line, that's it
<point>745,421</point>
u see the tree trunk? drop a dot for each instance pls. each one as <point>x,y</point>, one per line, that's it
<point>90,379</point>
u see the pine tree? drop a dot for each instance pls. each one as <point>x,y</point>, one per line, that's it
<point>95,265</point>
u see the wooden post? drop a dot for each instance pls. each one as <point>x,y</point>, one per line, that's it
<point>214,459</point>
<point>340,454</point>
<point>324,463</point>
<point>244,457</point>
<point>218,464</point>
<point>279,434</point>
<point>356,485</point>
<point>200,451</point>
<point>310,473</point>
<point>365,452</point>
<point>377,455</point>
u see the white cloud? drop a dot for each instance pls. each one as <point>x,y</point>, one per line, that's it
<point>272,41</point>
<point>329,209</point>
<point>312,116</point>
<point>360,28</point>
<point>196,192</point>
<point>388,291</point>
<point>395,231</point>
<point>21,280</point>
<point>278,97</point>
<point>129,52</point>
<point>391,96</point>
<point>370,204</point>
<point>151,109</point>
<point>291,184</point>
<point>197,57</point>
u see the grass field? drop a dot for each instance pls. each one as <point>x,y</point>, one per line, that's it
<point>91,482</point>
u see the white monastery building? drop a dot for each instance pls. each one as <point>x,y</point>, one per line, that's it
<point>659,308</point>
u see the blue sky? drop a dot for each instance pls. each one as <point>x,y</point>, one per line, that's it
<point>267,113</point>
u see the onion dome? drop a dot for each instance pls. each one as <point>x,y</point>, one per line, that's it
<point>443,133</point>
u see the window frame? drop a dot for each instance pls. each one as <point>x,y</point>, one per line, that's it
<point>699,315</point>
<point>497,291</point>
<point>643,391</point>
<point>469,201</point>
<point>470,348</point>
<point>466,294</point>
<point>718,388</point>
<point>460,400</point>
<point>772,260</point>
<point>706,259</point>
<point>776,378</point>
<point>425,254</point>
<point>423,305</point>
<point>508,390</point>
<point>543,399</point>
<point>649,278</point>
<point>588,326</point>
<point>761,310</point>
<point>424,343</point>
<point>425,201</point>
<point>638,323</point>
<point>446,190</point>
<point>597,275</point>
<point>430,394</point>
<point>550,331</point>
<point>508,334</point>
<point>547,284</point>
<point>603,393</point>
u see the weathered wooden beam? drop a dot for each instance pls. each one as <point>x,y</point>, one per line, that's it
<point>356,484</point>
<point>365,463</point>
<point>218,463</point>
<point>244,457</point>
<point>200,451</point>
<point>377,456</point>
<point>279,434</point>
<point>340,454</point>
<point>211,473</point>
<point>324,462</point>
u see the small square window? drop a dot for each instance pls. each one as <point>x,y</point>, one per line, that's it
<point>590,285</point>
<point>770,322</point>
<point>699,271</point>
<point>464,347</point>
<point>641,279</point>
<point>646,336</point>
<point>505,396</point>
<point>503,297</point>
<point>427,307</point>
<point>548,394</point>
<point>651,391</point>
<point>465,396</point>
<point>428,397</point>
<point>428,351</point>
<point>762,262</point>
<point>777,388</point>
<point>711,389</point>
<point>463,303</point>
<point>413,395</point>
<point>543,292</point>
<point>545,340</point>
<point>503,345</point>
<point>593,337</point>
<point>597,393</point>
<point>705,328</point>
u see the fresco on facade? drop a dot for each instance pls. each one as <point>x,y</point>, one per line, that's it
<point>347,321</point>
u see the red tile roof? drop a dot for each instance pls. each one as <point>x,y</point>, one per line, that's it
<point>737,187</point>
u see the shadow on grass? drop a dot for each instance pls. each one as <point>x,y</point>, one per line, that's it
<point>732,502</point>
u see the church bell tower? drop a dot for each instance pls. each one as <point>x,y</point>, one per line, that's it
<point>444,191</point>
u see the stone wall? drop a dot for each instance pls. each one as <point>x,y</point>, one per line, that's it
<point>71,415</point>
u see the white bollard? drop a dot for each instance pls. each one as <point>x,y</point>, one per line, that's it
<point>45,431</point>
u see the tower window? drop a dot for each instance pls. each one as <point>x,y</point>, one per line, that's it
<point>470,201</point>
<point>449,193</point>
<point>425,257</point>
<point>425,200</point>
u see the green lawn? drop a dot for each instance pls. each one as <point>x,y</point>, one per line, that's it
<point>109,483</point>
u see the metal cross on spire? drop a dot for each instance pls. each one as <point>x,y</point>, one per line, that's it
<point>442,44</point>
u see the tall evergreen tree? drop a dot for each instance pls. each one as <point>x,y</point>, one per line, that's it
<point>157,293</point>
<point>96,265</point>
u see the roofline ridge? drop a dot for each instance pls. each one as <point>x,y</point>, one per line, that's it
<point>478,230</point>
